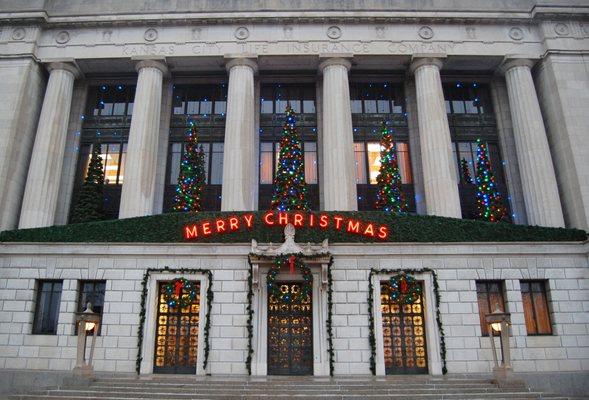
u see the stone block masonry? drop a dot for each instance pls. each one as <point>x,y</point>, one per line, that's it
<point>458,267</point>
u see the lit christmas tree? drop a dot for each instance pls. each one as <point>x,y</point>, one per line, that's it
<point>192,178</point>
<point>466,178</point>
<point>290,191</point>
<point>90,205</point>
<point>390,197</point>
<point>489,201</point>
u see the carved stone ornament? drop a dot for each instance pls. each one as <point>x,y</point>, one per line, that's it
<point>562,29</point>
<point>516,33</point>
<point>196,33</point>
<point>289,246</point>
<point>62,37</point>
<point>334,32</point>
<point>379,31</point>
<point>242,33</point>
<point>150,34</point>
<point>425,32</point>
<point>287,32</point>
<point>18,33</point>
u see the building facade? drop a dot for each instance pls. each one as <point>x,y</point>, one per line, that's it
<point>131,78</point>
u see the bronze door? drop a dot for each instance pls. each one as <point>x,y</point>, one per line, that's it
<point>290,334</point>
<point>176,339</point>
<point>403,327</point>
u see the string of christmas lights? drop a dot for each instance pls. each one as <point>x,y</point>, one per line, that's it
<point>390,197</point>
<point>290,191</point>
<point>489,201</point>
<point>192,177</point>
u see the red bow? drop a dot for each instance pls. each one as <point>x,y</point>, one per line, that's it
<point>291,264</point>
<point>178,288</point>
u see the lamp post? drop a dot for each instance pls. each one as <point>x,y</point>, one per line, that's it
<point>86,321</point>
<point>499,321</point>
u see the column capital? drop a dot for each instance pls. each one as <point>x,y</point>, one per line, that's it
<point>419,60</point>
<point>249,60</point>
<point>335,59</point>
<point>510,62</point>
<point>158,63</point>
<point>66,65</point>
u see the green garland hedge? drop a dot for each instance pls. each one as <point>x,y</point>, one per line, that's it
<point>168,228</point>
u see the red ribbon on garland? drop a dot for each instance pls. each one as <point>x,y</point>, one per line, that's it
<point>291,264</point>
<point>178,288</point>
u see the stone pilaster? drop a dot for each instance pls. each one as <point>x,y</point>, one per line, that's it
<point>43,180</point>
<point>339,172</point>
<point>239,191</point>
<point>533,153</point>
<point>439,170</point>
<point>138,193</point>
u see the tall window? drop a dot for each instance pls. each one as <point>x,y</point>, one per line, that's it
<point>203,105</point>
<point>91,292</point>
<point>47,307</point>
<point>274,98</point>
<point>107,121</point>
<point>372,103</point>
<point>471,117</point>
<point>536,311</point>
<point>490,297</point>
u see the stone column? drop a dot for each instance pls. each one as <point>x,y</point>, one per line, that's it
<point>239,189</point>
<point>533,153</point>
<point>43,179</point>
<point>439,170</point>
<point>138,193</point>
<point>339,171</point>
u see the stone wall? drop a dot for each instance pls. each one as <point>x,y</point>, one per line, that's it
<point>458,266</point>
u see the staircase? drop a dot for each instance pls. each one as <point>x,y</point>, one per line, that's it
<point>173,387</point>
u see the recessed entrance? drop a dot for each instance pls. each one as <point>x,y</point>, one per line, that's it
<point>403,327</point>
<point>176,339</point>
<point>290,333</point>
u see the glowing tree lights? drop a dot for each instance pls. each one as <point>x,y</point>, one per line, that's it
<point>390,197</point>
<point>489,201</point>
<point>290,191</point>
<point>90,205</point>
<point>192,178</point>
<point>466,178</point>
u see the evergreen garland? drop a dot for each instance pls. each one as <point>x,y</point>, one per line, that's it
<point>372,337</point>
<point>290,191</point>
<point>390,197</point>
<point>90,204</point>
<point>206,328</point>
<point>192,178</point>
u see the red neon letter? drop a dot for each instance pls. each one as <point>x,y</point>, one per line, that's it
<point>190,232</point>
<point>369,231</point>
<point>233,223</point>
<point>298,219</point>
<point>383,232</point>
<point>353,226</point>
<point>311,220</point>
<point>220,225</point>
<point>268,218</point>
<point>206,228</point>
<point>282,219</point>
<point>323,221</point>
<point>248,219</point>
<point>338,222</point>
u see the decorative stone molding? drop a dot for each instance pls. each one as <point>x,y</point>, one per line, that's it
<point>334,32</point>
<point>516,33</point>
<point>335,59</point>
<point>62,37</point>
<point>247,60</point>
<point>196,33</point>
<point>380,30</point>
<point>515,61</point>
<point>562,29</point>
<point>150,34</point>
<point>242,33</point>
<point>18,34</point>
<point>66,65</point>
<point>419,60</point>
<point>425,32</point>
<point>290,247</point>
<point>152,63</point>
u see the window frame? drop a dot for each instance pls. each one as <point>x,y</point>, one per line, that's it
<point>39,290</point>
<point>544,292</point>
<point>81,306</point>
<point>501,291</point>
